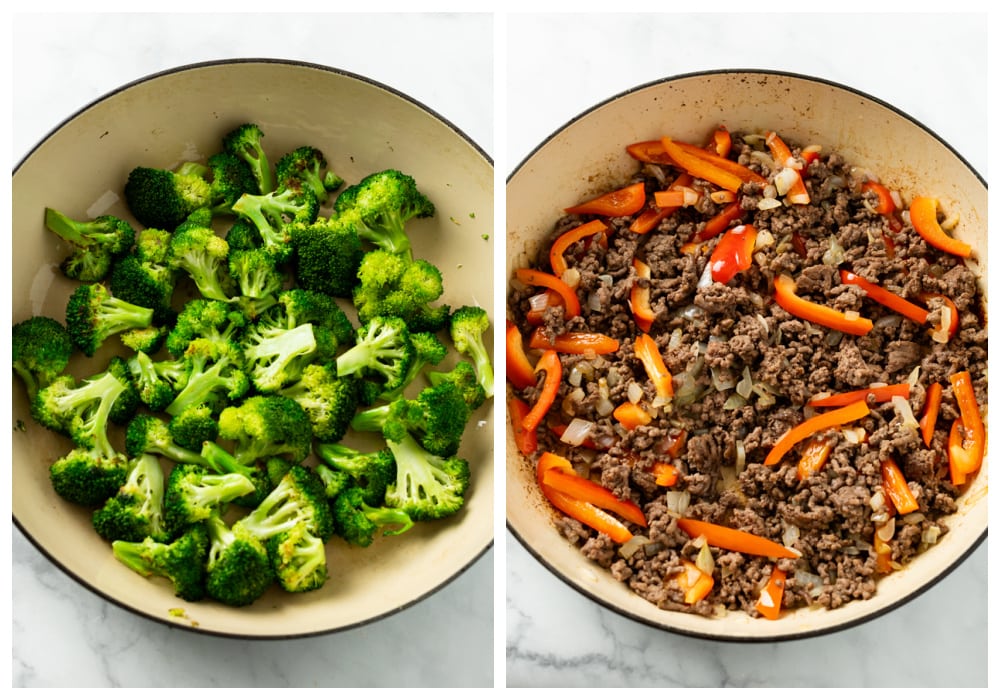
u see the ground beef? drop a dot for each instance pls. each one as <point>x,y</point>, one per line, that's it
<point>744,371</point>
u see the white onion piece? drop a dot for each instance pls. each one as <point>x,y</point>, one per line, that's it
<point>575,376</point>
<point>784,180</point>
<point>931,534</point>
<point>678,501</point>
<point>808,580</point>
<point>905,413</point>
<point>734,402</point>
<point>886,532</point>
<point>706,276</point>
<point>790,535</point>
<point>764,239</point>
<point>704,561</point>
<point>854,436</point>
<point>834,254</point>
<point>632,546</point>
<point>766,203</point>
<point>745,386</point>
<point>571,277</point>
<point>577,431</point>
<point>634,392</point>
<point>539,302</point>
<point>741,456</point>
<point>914,377</point>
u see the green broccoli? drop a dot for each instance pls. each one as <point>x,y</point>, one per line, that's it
<point>163,199</point>
<point>231,178</point>
<point>41,348</point>
<point>136,511</point>
<point>246,142</point>
<point>330,401</point>
<point>93,315</point>
<point>383,353</point>
<point>380,205</point>
<point>305,168</point>
<point>193,493</point>
<point>204,256</point>
<point>391,285</point>
<point>436,418</point>
<point>265,426</point>
<point>274,213</point>
<point>94,243</point>
<point>358,522</point>
<point>193,426</point>
<point>428,350</point>
<point>148,340</point>
<point>128,402</point>
<point>215,376</point>
<point>468,326</point>
<point>298,499</point>
<point>462,375</point>
<point>207,319</point>
<point>222,461</point>
<point>238,568</point>
<point>182,561</point>
<point>144,277</point>
<point>276,356</point>
<point>68,407</point>
<point>149,434</point>
<point>157,383</point>
<point>243,235</point>
<point>258,279</point>
<point>370,472</point>
<point>300,306</point>
<point>427,486</point>
<point>298,558</point>
<point>334,481</point>
<point>327,255</point>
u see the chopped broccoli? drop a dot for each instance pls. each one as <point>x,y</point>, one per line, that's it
<point>238,568</point>
<point>136,511</point>
<point>193,426</point>
<point>151,434</point>
<point>382,352</point>
<point>330,401</point>
<point>436,418</point>
<point>148,340</point>
<point>300,306</point>
<point>467,327</point>
<point>69,408</point>
<point>231,178</point>
<point>298,499</point>
<point>243,235</point>
<point>88,476</point>
<point>390,285</point>
<point>462,375</point>
<point>370,472</point>
<point>327,255</point>
<point>156,382</point>
<point>305,168</point>
<point>128,402</point>
<point>266,426</point>
<point>274,213</point>
<point>182,561</point>
<point>334,481</point>
<point>277,356</point>
<point>215,376</point>
<point>204,256</point>
<point>427,486</point>
<point>209,319</point>
<point>258,279</point>
<point>41,348</point>
<point>95,243</point>
<point>246,142</point>
<point>144,277</point>
<point>162,199</point>
<point>223,462</point>
<point>298,558</point>
<point>193,493</point>
<point>380,205</point>
<point>94,314</point>
<point>358,522</point>
<point>428,350</point>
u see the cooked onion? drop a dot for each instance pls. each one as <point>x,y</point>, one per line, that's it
<point>632,546</point>
<point>766,203</point>
<point>905,412</point>
<point>704,561</point>
<point>577,431</point>
<point>539,302</point>
<point>634,392</point>
<point>784,180</point>
<point>834,254</point>
<point>678,501</point>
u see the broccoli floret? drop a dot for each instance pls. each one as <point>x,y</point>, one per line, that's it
<point>276,468</point>
<point>274,213</point>
<point>41,348</point>
<point>330,401</point>
<point>370,472</point>
<point>467,327</point>
<point>204,256</point>
<point>436,418</point>
<point>88,476</point>
<point>258,279</point>
<point>193,426</point>
<point>215,376</point>
<point>390,285</point>
<point>427,486</point>
<point>358,522</point>
<point>380,205</point>
<point>145,283</point>
<point>136,511</point>
<point>128,402</point>
<point>276,356</point>
<point>334,481</point>
<point>298,499</point>
<point>162,199</point>
<point>238,568</point>
<point>243,235</point>
<point>223,462</point>
<point>192,494</point>
<point>382,353</point>
<point>95,243</point>
<point>151,434</point>
<point>208,319</point>
<point>298,558</point>
<point>305,169</point>
<point>94,314</point>
<point>327,255</point>
<point>462,375</point>
<point>182,561</point>
<point>156,382</point>
<point>246,142</point>
<point>266,426</point>
<point>300,306</point>
<point>428,351</point>
<point>71,408</point>
<point>231,178</point>
<point>148,340</point>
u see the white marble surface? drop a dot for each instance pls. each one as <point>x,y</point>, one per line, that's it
<point>63,635</point>
<point>932,67</point>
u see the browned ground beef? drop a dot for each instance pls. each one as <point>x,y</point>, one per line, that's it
<point>720,330</point>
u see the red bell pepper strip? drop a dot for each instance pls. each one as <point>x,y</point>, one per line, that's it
<point>694,582</point>
<point>549,364</point>
<point>621,202</point>
<point>894,484</point>
<point>526,440</point>
<point>967,440</point>
<point>886,205</point>
<point>722,141</point>
<point>581,489</point>
<point>565,240</point>
<point>698,165</point>
<point>632,415</point>
<point>733,253</point>
<point>923,217</point>
<point>811,426</point>
<point>665,474</point>
<point>797,193</point>
<point>649,354</point>
<point>769,602</point>
<point>527,275</point>
<point>720,222</point>
<point>731,166</point>
<point>652,215</point>
<point>932,405</point>
<point>881,394</point>
<point>886,298</point>
<point>649,152</point>
<point>586,513</point>
<point>814,456</point>
<point>520,372</point>
<point>784,295</point>
<point>735,540</point>
<point>574,342</point>
<point>638,297</point>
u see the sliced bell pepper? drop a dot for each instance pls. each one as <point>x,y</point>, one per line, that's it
<point>632,415</point>
<point>707,166</point>
<point>883,555</point>
<point>722,141</point>
<point>574,342</point>
<point>886,205</point>
<point>652,215</point>
<point>967,440</point>
<point>782,154</point>
<point>814,456</point>
<point>932,405</point>
<point>886,298</point>
<point>649,354</point>
<point>881,394</point>
<point>894,484</point>
<point>784,295</point>
<point>951,318</point>
<point>720,222</point>
<point>527,275</point>
<point>811,426</point>
<point>733,253</point>
<point>565,240</point>
<point>769,602</point>
<point>694,582</point>
<point>673,444</point>
<point>550,364</point>
<point>526,440</point>
<point>581,489</point>
<point>586,513</point>
<point>638,297</point>
<point>735,540</point>
<point>537,316</point>
<point>621,202</point>
<point>520,372</point>
<point>923,218</point>
<point>731,166</point>
<point>649,152</point>
<point>666,474</point>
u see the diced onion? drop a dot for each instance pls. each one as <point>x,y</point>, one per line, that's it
<point>571,399</point>
<point>571,276</point>
<point>594,301</point>
<point>834,254</point>
<point>734,402</point>
<point>790,534</point>
<point>808,580</point>
<point>632,546</point>
<point>766,203</point>
<point>886,532</point>
<point>634,392</point>
<point>539,302</point>
<point>704,561</point>
<point>678,501</point>
<point>764,239</point>
<point>577,431</point>
<point>905,412</point>
<point>784,180</point>
<point>575,376</point>
<point>852,315</point>
<point>854,436</point>
<point>745,386</point>
<point>706,276</point>
<point>914,377</point>
<point>931,534</point>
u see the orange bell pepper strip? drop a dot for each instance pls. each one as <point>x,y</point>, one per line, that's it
<point>669,198</point>
<point>782,154</point>
<point>769,602</point>
<point>886,298</point>
<point>580,489</point>
<point>883,555</point>
<point>621,202</point>
<point>881,394</point>
<point>886,205</point>
<point>932,406</point>
<point>665,474</point>
<point>811,426</point>
<point>526,440</point>
<point>731,166</point>
<point>549,364</point>
<point>565,240</point>
<point>574,342</point>
<point>784,295</point>
<point>952,317</point>
<point>814,456</point>
<point>584,512</point>
<point>720,222</point>
<point>649,354</point>
<point>652,215</point>
<point>527,275</point>
<point>722,141</point>
<point>649,152</point>
<point>923,218</point>
<point>701,168</point>
<point>808,155</point>
<point>733,253</point>
<point>632,415</point>
<point>675,442</point>
<point>520,372</point>
<point>638,297</point>
<point>894,484</point>
<point>694,582</point>
<point>967,440</point>
<point>735,540</point>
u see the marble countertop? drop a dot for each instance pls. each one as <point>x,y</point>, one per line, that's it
<point>931,66</point>
<point>63,635</point>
